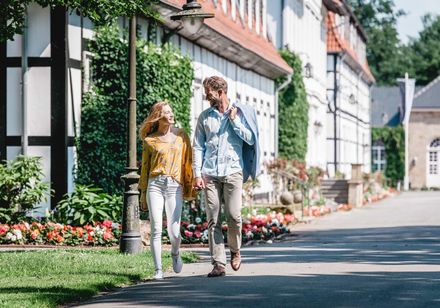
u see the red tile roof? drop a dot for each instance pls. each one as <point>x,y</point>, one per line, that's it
<point>336,43</point>
<point>239,32</point>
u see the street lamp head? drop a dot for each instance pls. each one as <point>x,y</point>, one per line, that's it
<point>192,16</point>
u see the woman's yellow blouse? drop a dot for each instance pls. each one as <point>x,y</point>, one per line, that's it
<point>167,158</point>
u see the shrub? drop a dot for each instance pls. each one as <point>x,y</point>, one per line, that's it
<point>21,187</point>
<point>393,139</point>
<point>88,205</point>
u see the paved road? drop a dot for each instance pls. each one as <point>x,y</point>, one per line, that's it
<point>383,255</point>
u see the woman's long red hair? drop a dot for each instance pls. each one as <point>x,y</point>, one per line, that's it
<point>150,123</point>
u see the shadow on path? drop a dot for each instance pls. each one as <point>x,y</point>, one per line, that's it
<point>381,267</point>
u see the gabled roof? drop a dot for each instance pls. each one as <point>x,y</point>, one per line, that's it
<point>429,96</point>
<point>385,106</point>
<point>337,44</point>
<point>233,40</point>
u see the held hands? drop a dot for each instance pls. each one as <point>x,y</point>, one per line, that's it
<point>198,183</point>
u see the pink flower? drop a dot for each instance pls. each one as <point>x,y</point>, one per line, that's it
<point>197,233</point>
<point>107,223</point>
<point>188,233</point>
<point>107,236</point>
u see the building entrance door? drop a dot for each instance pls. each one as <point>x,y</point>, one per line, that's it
<point>433,168</point>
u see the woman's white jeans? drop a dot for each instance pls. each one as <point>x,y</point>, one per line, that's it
<point>164,191</point>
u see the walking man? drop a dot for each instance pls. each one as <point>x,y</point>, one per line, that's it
<point>225,154</point>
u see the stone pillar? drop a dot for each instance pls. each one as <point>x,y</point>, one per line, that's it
<point>355,186</point>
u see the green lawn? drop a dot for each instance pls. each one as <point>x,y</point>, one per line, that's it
<point>48,278</point>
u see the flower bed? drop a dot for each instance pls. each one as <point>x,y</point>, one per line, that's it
<point>106,233</point>
<point>374,197</point>
<point>258,227</point>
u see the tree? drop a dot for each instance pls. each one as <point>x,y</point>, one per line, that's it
<point>12,12</point>
<point>386,57</point>
<point>425,51</point>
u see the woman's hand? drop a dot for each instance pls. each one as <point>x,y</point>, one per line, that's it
<point>198,183</point>
<point>143,205</point>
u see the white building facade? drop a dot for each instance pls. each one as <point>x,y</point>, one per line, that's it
<point>46,71</point>
<point>300,26</point>
<point>349,81</point>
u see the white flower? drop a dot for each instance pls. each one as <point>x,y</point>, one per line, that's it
<point>205,235</point>
<point>18,234</point>
<point>99,231</point>
<point>250,234</point>
<point>115,225</point>
<point>10,237</point>
<point>275,221</point>
<point>198,220</point>
<point>191,227</point>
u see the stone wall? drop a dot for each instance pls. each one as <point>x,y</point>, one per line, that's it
<point>424,127</point>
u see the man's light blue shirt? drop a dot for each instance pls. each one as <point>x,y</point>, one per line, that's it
<point>218,143</point>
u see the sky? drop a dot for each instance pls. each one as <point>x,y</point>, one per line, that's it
<point>411,24</point>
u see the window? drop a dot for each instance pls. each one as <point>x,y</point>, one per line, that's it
<point>378,156</point>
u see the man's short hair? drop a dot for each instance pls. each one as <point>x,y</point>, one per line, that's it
<point>216,83</point>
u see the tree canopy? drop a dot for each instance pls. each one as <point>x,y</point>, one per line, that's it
<point>424,51</point>
<point>12,12</point>
<point>387,56</point>
<point>379,19</point>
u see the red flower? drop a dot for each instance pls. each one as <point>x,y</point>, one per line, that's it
<point>34,234</point>
<point>79,231</point>
<point>4,229</point>
<point>107,223</point>
<point>197,233</point>
<point>107,236</point>
<point>90,238</point>
<point>60,239</point>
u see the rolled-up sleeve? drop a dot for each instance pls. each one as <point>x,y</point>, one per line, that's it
<point>242,129</point>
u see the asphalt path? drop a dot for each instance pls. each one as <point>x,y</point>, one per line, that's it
<point>385,254</point>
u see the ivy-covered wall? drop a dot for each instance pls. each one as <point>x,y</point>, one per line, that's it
<point>293,112</point>
<point>162,74</point>
<point>393,139</point>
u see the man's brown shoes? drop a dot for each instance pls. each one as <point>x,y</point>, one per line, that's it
<point>235,260</point>
<point>218,271</point>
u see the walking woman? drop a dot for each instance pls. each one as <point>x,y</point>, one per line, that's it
<point>166,179</point>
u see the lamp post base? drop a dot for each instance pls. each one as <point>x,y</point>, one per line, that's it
<point>131,237</point>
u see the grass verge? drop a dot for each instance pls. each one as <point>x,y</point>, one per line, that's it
<point>48,278</point>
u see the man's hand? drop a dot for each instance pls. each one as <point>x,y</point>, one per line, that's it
<point>198,183</point>
<point>233,113</point>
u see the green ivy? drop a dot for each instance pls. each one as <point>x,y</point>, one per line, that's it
<point>162,74</point>
<point>393,139</point>
<point>293,112</point>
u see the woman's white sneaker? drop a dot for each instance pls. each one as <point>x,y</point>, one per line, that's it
<point>177,262</point>
<point>158,275</point>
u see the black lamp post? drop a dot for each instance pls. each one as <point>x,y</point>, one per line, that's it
<point>192,17</point>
